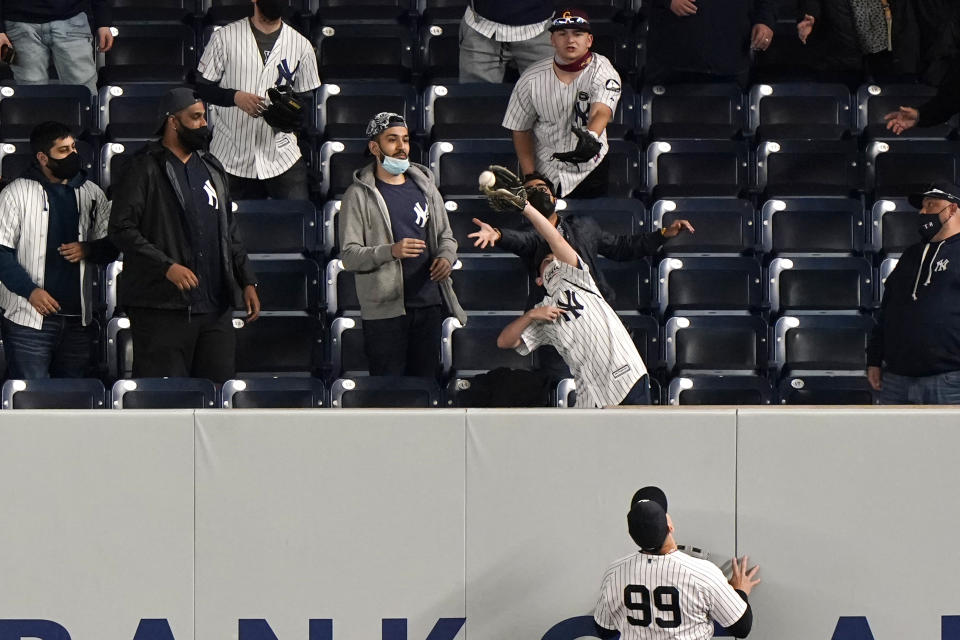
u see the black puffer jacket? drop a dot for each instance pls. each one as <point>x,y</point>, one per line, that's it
<point>148,224</point>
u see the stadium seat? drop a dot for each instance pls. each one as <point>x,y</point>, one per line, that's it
<point>812,226</point>
<point>491,283</point>
<point>331,229</point>
<point>455,111</point>
<point>820,285</point>
<point>119,348</point>
<point>709,284</point>
<point>288,283</point>
<point>818,343</point>
<point>115,159</point>
<point>129,111</point>
<point>333,12</point>
<point>439,58</point>
<point>339,160</point>
<point>901,167</point>
<point>16,158</point>
<point>719,390</point>
<point>630,282</point>
<point>874,101</point>
<point>801,110</point>
<point>273,393</point>
<point>462,211</point>
<point>644,330</point>
<point>22,107</point>
<point>384,392</point>
<point>723,225</point>
<point>809,168</point>
<point>347,355</point>
<point>111,281</point>
<point>442,10</point>
<point>619,216</point>
<point>345,108</point>
<point>278,226</point>
<point>886,268</point>
<point>626,176</point>
<point>618,42</point>
<point>472,349</point>
<point>458,394</point>
<point>149,53</point>
<point>54,393</point>
<point>456,165</point>
<point>365,52</point>
<point>894,226</point>
<point>697,168</point>
<point>715,344</point>
<point>827,390</point>
<point>702,111</point>
<point>341,291</point>
<point>221,12</point>
<point>163,393</point>
<point>280,343</point>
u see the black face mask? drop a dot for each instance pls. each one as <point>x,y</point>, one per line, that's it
<point>64,168</point>
<point>929,225</point>
<point>194,139</point>
<point>542,202</point>
<point>271,9</point>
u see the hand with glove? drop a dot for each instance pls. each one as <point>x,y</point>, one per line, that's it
<point>285,112</point>
<point>588,146</point>
<point>506,193</point>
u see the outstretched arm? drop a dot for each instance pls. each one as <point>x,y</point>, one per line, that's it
<point>558,245</point>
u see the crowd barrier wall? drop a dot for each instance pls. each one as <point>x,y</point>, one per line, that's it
<point>465,525</point>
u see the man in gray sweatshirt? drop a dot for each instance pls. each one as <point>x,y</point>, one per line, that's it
<point>395,236</point>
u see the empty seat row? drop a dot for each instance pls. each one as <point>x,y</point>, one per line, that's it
<point>754,390</point>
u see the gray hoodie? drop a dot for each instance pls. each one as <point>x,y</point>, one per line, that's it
<point>366,238</point>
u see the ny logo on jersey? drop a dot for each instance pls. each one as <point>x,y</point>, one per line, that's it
<point>423,214</point>
<point>571,304</point>
<point>581,109</point>
<point>284,74</point>
<point>942,265</point>
<point>212,199</point>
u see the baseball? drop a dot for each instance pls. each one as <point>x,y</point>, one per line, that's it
<point>487,179</point>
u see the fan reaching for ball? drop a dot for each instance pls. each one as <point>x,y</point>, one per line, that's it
<point>503,189</point>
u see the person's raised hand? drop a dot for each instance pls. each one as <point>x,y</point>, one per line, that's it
<point>440,269</point>
<point>676,227</point>
<point>875,377</point>
<point>742,578</point>
<point>761,37</point>
<point>683,7</point>
<point>182,277</point>
<point>43,302</point>
<point>250,103</point>
<point>408,248</point>
<point>902,119</point>
<point>545,314</point>
<point>805,27</point>
<point>486,237</point>
<point>104,38</point>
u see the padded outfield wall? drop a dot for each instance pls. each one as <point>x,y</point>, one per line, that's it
<point>456,525</point>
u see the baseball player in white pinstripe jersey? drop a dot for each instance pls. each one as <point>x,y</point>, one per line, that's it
<point>661,593</point>
<point>559,110</point>
<point>241,64</point>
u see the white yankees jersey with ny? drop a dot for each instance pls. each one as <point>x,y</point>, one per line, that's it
<point>588,335</point>
<point>540,101</point>
<point>666,597</point>
<point>248,147</point>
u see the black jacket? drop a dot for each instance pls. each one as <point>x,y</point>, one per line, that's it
<point>41,11</point>
<point>148,224</point>
<point>714,41</point>
<point>946,103</point>
<point>587,239</point>
<point>920,337</point>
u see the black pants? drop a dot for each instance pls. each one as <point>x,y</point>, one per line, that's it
<point>408,345</point>
<point>289,185</point>
<point>173,343</point>
<point>596,184</point>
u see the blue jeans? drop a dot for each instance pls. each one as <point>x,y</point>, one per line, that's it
<point>71,43</point>
<point>483,59</point>
<point>939,389</point>
<point>61,348</point>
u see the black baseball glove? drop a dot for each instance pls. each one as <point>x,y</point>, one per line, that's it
<point>285,112</point>
<point>587,148</point>
<point>507,193</point>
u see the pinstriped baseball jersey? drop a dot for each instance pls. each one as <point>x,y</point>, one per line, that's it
<point>541,102</point>
<point>24,218</point>
<point>248,147</point>
<point>589,335</point>
<point>666,597</point>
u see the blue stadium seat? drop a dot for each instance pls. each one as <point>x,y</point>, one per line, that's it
<point>619,216</point>
<point>347,355</point>
<point>54,393</point>
<point>439,55</point>
<point>115,158</point>
<point>129,111</point>
<point>491,283</point>
<point>112,272</point>
<point>341,291</point>
<point>812,225</point>
<point>458,394</point>
<point>279,343</point>
<point>625,174</point>
<point>719,390</point>
<point>278,226</point>
<point>697,168</point>
<point>333,12</point>
<point>827,390</point>
<point>798,285</point>
<point>874,101</point>
<point>454,111</point>
<point>886,268</point>
<point>470,350</point>
<point>819,343</point>
<point>894,226</point>
<point>630,282</point>
<point>22,107</point>
<point>163,393</point>
<point>288,283</point>
<point>702,111</point>
<point>901,167</point>
<point>345,108</point>
<point>149,53</point>
<point>723,225</point>
<point>809,168</point>
<point>382,52</point>
<point>709,284</point>
<point>715,344</point>
<point>273,393</point>
<point>801,110</point>
<point>119,348</point>
<point>644,330</point>
<point>462,211</point>
<point>456,165</point>
<point>384,392</point>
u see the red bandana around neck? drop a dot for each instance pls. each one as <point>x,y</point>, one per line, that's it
<point>577,65</point>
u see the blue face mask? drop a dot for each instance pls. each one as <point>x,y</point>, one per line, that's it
<point>394,166</point>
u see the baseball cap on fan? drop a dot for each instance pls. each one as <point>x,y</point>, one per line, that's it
<point>173,101</point>
<point>383,121</point>
<point>942,190</point>
<point>647,519</point>
<point>571,19</point>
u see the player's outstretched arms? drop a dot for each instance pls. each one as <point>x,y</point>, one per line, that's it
<point>743,580</point>
<point>511,336</point>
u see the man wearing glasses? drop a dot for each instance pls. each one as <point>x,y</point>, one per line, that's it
<point>559,110</point>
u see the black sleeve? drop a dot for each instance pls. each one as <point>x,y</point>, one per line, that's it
<point>875,341</point>
<point>626,247</point>
<point>102,13</point>
<point>101,251</point>
<point>764,12</point>
<point>213,93</point>
<point>810,8</point>
<point>129,201</point>
<point>741,628</point>
<point>520,243</point>
<point>946,103</point>
<point>603,633</point>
